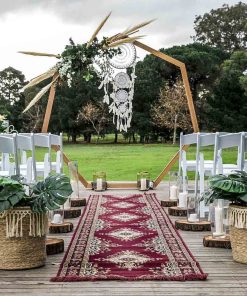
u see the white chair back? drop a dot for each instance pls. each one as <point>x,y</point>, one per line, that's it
<point>8,145</point>
<point>227,141</point>
<point>57,140</point>
<point>25,142</point>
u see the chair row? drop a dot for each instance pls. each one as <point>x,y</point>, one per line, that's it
<point>16,147</point>
<point>208,167</point>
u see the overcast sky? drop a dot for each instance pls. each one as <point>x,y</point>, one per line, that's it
<point>46,25</point>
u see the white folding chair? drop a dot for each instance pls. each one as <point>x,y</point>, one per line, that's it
<point>244,160</point>
<point>28,170</point>
<point>8,145</point>
<point>57,140</point>
<point>43,140</point>
<point>223,142</point>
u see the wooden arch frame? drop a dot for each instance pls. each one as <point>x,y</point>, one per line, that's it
<point>133,185</point>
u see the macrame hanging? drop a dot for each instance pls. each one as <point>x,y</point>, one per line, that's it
<point>119,97</point>
<point>14,222</point>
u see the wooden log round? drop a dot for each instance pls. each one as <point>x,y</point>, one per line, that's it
<point>64,227</point>
<point>193,226</point>
<point>169,203</point>
<point>78,202</point>
<point>54,246</point>
<point>70,213</point>
<point>217,242</point>
<point>176,211</point>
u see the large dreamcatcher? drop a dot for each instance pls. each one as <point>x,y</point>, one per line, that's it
<point>112,58</point>
<point>120,95</point>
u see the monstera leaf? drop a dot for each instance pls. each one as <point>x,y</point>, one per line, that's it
<point>51,193</point>
<point>11,193</point>
<point>232,187</point>
<point>235,183</point>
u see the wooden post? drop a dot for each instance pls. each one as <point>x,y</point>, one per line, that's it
<point>49,106</point>
<point>66,160</point>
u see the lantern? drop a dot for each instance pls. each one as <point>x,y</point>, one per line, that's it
<point>218,214</point>
<point>99,181</point>
<point>183,191</point>
<point>74,178</point>
<point>56,217</point>
<point>143,181</point>
<point>173,185</point>
<point>193,212</point>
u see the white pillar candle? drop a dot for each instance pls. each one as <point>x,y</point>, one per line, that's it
<point>143,184</point>
<point>193,218</point>
<point>174,192</point>
<point>99,184</point>
<point>57,219</point>
<point>218,222</point>
<point>66,205</point>
<point>182,198</point>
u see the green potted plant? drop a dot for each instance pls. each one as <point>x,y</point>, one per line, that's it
<point>233,188</point>
<point>24,221</point>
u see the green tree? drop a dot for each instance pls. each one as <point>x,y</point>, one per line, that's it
<point>203,66</point>
<point>11,98</point>
<point>228,101</point>
<point>225,27</point>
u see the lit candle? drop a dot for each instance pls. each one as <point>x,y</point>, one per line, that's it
<point>143,184</point>
<point>182,197</point>
<point>174,192</point>
<point>193,218</point>
<point>218,222</point>
<point>99,184</point>
<point>57,219</point>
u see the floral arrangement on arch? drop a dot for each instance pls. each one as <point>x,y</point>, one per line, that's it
<point>98,57</point>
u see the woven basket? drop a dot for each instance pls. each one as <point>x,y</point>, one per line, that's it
<point>22,239</point>
<point>238,232</point>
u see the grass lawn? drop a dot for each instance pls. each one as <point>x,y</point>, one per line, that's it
<point>123,161</point>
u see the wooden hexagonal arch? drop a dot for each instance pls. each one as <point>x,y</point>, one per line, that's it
<point>169,165</point>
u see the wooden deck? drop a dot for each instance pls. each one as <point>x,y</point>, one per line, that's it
<point>225,276</point>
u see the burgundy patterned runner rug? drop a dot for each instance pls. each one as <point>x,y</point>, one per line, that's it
<point>127,238</point>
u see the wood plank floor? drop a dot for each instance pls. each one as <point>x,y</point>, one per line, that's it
<point>225,276</point>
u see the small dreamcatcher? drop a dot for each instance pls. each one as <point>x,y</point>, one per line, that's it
<point>120,96</point>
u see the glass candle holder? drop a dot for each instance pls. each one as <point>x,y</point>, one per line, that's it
<point>182,182</point>
<point>193,212</point>
<point>218,213</point>
<point>99,181</point>
<point>56,217</point>
<point>173,185</point>
<point>143,181</point>
<point>74,178</point>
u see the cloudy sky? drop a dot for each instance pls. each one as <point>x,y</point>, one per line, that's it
<point>46,25</point>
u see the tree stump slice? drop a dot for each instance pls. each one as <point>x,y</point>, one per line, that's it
<point>78,202</point>
<point>54,246</point>
<point>217,242</point>
<point>176,211</point>
<point>193,226</point>
<point>169,203</point>
<point>70,213</point>
<point>64,227</point>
